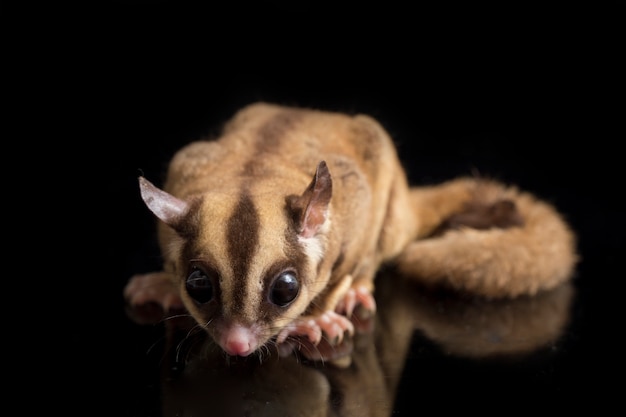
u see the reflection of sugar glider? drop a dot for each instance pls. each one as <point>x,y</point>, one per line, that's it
<point>276,229</point>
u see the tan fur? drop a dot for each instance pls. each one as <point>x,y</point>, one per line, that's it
<point>495,262</point>
<point>269,154</point>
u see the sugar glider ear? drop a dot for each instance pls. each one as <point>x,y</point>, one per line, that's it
<point>311,208</point>
<point>164,205</point>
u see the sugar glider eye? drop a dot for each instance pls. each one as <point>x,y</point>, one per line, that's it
<point>199,286</point>
<point>284,289</point>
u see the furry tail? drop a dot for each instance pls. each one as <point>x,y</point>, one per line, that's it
<point>534,251</point>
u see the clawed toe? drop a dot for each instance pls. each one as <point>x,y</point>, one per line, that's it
<point>329,324</point>
<point>356,296</point>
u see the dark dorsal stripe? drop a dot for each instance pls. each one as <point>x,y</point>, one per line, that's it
<point>272,132</point>
<point>271,135</point>
<point>242,240</point>
<point>243,225</point>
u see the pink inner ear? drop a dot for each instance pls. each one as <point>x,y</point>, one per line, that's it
<point>317,199</point>
<point>164,205</point>
<point>313,220</point>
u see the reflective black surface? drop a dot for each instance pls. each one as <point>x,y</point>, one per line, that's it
<point>420,348</point>
<point>112,90</point>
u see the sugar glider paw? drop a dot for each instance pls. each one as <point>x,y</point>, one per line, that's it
<point>153,287</point>
<point>330,324</point>
<point>358,295</point>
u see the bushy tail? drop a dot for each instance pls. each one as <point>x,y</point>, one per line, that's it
<point>483,237</point>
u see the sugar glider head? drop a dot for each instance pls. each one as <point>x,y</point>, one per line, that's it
<point>246,263</point>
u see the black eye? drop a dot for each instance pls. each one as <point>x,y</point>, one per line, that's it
<point>284,289</point>
<point>199,286</point>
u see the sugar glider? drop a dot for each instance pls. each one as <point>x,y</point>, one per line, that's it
<point>275,230</point>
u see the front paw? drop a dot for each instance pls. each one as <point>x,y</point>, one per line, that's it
<point>358,295</point>
<point>150,296</point>
<point>330,325</point>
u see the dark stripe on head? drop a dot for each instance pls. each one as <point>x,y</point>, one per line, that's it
<point>242,240</point>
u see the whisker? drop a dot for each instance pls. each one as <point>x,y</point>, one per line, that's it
<point>310,348</point>
<point>153,345</point>
<point>184,345</point>
<point>175,316</point>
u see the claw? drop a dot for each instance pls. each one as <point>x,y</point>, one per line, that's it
<point>348,303</point>
<point>364,296</point>
<point>357,295</point>
<point>306,327</point>
<point>332,324</point>
<point>335,325</point>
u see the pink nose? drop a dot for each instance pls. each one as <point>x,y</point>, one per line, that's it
<point>237,347</point>
<point>239,341</point>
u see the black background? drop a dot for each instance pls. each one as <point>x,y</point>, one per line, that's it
<point>100,92</point>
